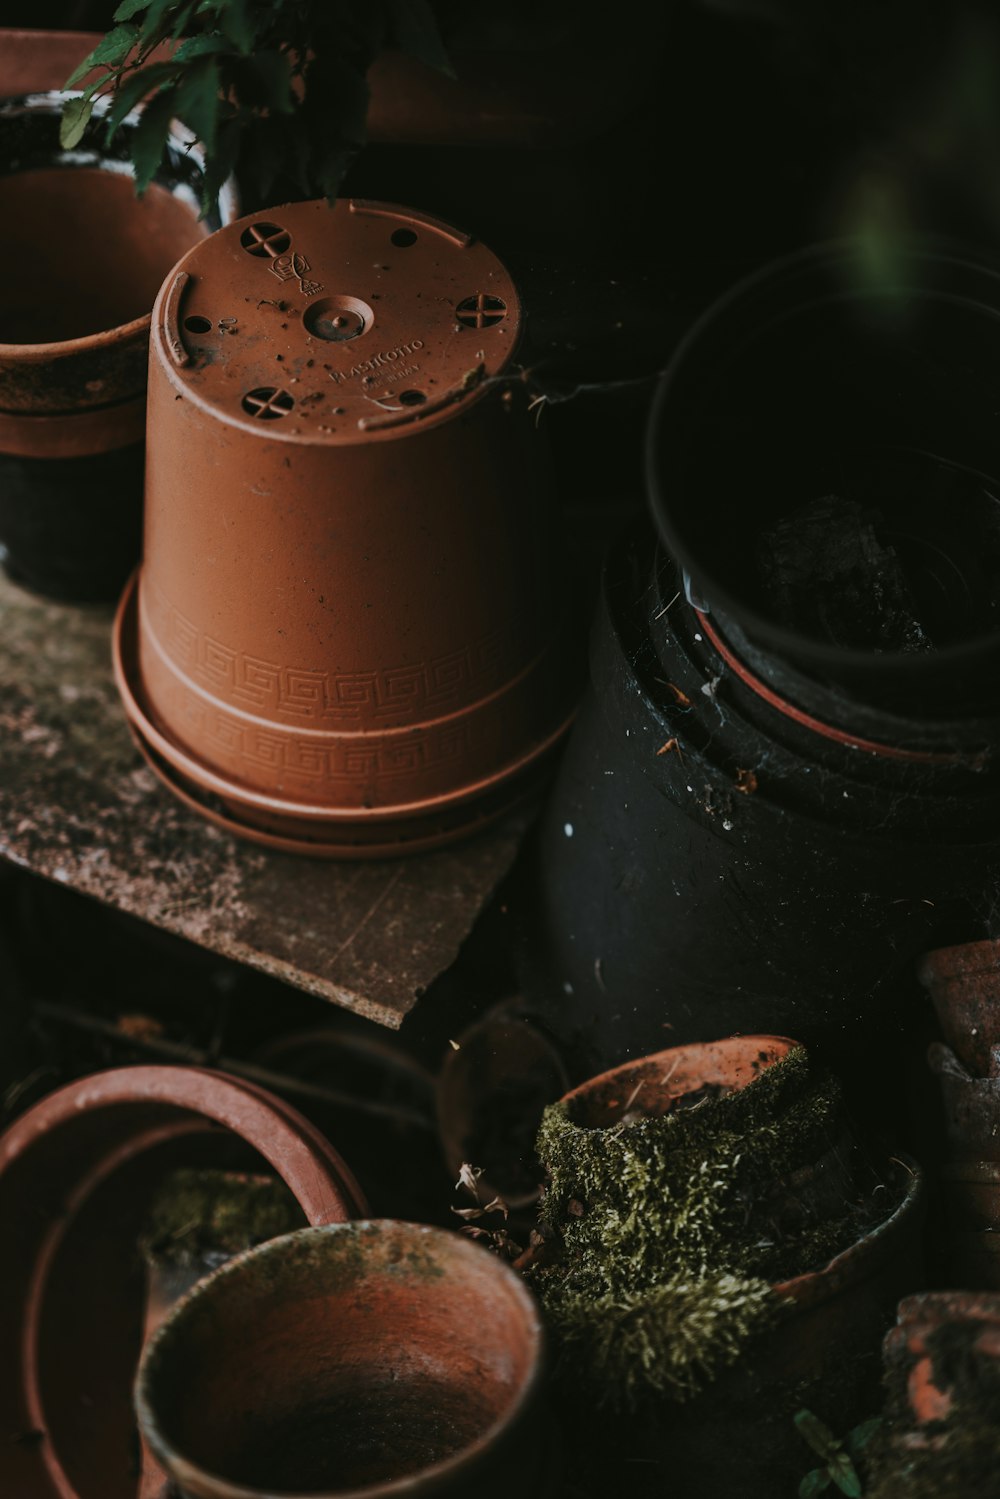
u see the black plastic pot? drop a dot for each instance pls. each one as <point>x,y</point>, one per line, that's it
<point>80,265</point>
<point>714,859</point>
<point>831,373</point>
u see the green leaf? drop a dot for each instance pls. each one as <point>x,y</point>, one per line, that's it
<point>845,1475</point>
<point>131,90</point>
<point>197,101</point>
<point>220,164</point>
<point>147,144</point>
<point>130,8</point>
<point>235,22</point>
<point>857,1440</point>
<point>272,73</point>
<point>816,1482</point>
<point>413,28</point>
<point>201,46</point>
<point>111,49</point>
<point>819,1436</point>
<point>75,115</point>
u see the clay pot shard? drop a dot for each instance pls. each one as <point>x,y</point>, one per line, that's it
<point>964,985</point>
<point>81,261</point>
<point>347,634</point>
<point>945,1346</point>
<point>370,1359</point>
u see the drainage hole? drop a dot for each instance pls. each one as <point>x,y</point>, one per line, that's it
<point>403,238</point>
<point>412,397</point>
<point>267,403</point>
<point>265,239</point>
<point>197,324</point>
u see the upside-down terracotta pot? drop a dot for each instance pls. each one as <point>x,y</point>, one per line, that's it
<point>77,1174</point>
<point>738,1435</point>
<point>80,265</point>
<point>346,635</point>
<point>964,985</point>
<point>374,1359</point>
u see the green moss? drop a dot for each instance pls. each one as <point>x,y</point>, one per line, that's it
<point>195,1213</point>
<point>671,1230</point>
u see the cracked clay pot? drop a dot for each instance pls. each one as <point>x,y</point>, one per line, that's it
<point>81,261</point>
<point>346,635</point>
<point>369,1360</point>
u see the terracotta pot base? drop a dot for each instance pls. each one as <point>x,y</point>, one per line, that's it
<point>324,834</point>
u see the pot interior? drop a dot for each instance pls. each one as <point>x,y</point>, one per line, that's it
<point>81,254</point>
<point>679,1078</point>
<point>827,460</point>
<point>341,1360</point>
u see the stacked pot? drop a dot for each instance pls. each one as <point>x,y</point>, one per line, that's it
<point>80,264</point>
<point>964,984</point>
<point>738,1433</point>
<point>347,1354</point>
<point>762,820</point>
<point>942,1378</point>
<point>348,632</point>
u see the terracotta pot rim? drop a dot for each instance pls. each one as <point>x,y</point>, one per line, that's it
<point>201,1482</point>
<point>671,1053</point>
<point>182,1088</point>
<point>866,1255</point>
<point>137,329</point>
<point>123,641</point>
<point>308,848</point>
<point>295,1150</point>
<point>943,963</point>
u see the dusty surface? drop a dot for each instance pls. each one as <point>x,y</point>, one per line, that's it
<point>78,806</point>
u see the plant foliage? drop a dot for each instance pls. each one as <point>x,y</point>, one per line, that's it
<point>279,83</point>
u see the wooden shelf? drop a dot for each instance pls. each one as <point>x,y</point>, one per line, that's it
<point>78,805</point>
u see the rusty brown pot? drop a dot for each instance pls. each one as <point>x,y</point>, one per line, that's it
<point>347,634</point>
<point>683,1075</point>
<point>370,1359</point>
<point>77,1173</point>
<point>964,985</point>
<point>927,1375</point>
<point>971,1104</point>
<point>74,336</point>
<point>738,1436</point>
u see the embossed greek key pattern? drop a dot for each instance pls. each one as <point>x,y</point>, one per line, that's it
<point>280,761</point>
<point>319,697</point>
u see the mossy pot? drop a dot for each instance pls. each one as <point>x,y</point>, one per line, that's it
<point>821,1349</point>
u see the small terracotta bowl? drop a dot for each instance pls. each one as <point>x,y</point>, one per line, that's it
<point>370,1359</point>
<point>347,633</point>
